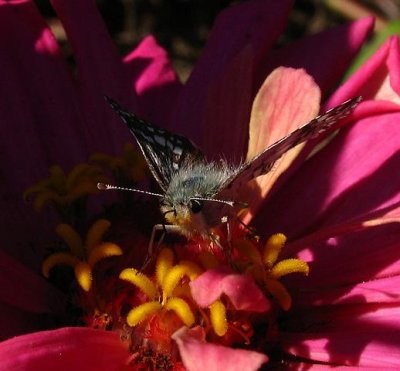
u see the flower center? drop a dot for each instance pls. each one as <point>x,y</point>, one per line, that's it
<point>148,307</point>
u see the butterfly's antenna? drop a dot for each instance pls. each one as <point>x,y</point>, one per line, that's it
<point>106,187</point>
<point>226,202</point>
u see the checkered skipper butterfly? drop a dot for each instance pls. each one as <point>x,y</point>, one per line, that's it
<point>195,193</point>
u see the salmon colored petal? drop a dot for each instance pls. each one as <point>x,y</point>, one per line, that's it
<point>154,81</point>
<point>378,78</point>
<point>240,289</point>
<point>326,55</point>
<point>100,72</point>
<point>288,99</point>
<point>364,335</point>
<point>64,349</point>
<point>198,355</point>
<point>260,23</point>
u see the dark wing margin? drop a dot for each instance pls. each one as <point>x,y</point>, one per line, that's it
<point>164,151</point>
<point>262,163</point>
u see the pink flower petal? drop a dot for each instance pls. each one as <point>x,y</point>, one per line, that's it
<point>40,120</point>
<point>198,355</point>
<point>378,290</point>
<point>240,289</point>
<point>378,78</point>
<point>101,72</point>
<point>288,99</point>
<point>232,89</point>
<point>23,289</point>
<point>65,349</point>
<point>154,81</point>
<point>260,25</point>
<point>364,335</point>
<point>326,55</point>
<point>15,321</point>
<point>341,182</point>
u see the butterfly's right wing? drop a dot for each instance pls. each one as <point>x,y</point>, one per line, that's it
<point>164,151</point>
<point>263,162</point>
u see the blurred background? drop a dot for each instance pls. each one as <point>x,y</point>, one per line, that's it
<point>182,26</point>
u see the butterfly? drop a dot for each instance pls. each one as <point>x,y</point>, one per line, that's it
<point>195,192</point>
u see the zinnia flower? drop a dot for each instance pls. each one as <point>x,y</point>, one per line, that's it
<point>337,209</point>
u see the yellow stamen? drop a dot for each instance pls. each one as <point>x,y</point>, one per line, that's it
<point>182,310</point>
<point>175,274</point>
<point>164,263</point>
<point>192,269</point>
<point>83,188</point>
<point>279,292</point>
<point>71,238</point>
<point>246,248</point>
<point>77,172</point>
<point>273,248</point>
<point>288,266</point>
<point>96,232</point>
<point>56,259</point>
<point>83,274</point>
<point>102,251</point>
<point>141,312</point>
<point>218,318</point>
<point>140,280</point>
<point>45,196</point>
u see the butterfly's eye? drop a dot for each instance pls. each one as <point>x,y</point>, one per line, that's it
<point>196,206</point>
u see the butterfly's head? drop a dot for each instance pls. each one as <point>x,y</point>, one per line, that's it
<point>185,213</point>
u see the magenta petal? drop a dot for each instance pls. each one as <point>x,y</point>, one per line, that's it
<point>65,349</point>
<point>253,24</point>
<point>39,122</point>
<point>153,80</point>
<point>23,289</point>
<point>100,70</point>
<point>363,335</point>
<point>240,289</point>
<point>341,182</point>
<point>377,290</point>
<point>378,78</point>
<point>326,55</point>
<point>198,355</point>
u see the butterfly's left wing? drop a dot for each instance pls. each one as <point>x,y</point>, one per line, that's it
<point>263,162</point>
<point>165,152</point>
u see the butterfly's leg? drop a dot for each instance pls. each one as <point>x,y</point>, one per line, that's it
<point>156,228</point>
<point>166,228</point>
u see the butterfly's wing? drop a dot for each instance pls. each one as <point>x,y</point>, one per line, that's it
<point>263,162</point>
<point>164,151</point>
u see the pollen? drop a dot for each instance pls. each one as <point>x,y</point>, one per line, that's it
<point>130,164</point>
<point>289,266</point>
<point>167,291</point>
<point>265,268</point>
<point>272,249</point>
<point>182,309</point>
<point>164,263</point>
<point>63,189</point>
<point>141,281</point>
<point>218,318</point>
<point>176,274</point>
<point>82,257</point>
<point>142,312</point>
